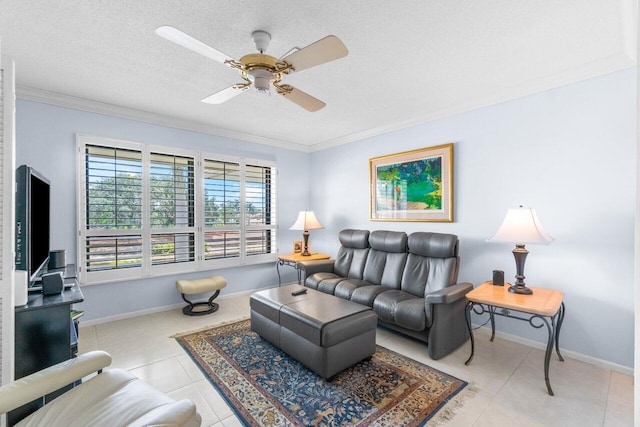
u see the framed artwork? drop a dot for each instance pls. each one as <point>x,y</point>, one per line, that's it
<point>297,246</point>
<point>412,186</point>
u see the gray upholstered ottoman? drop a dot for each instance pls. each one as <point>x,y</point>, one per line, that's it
<point>325,333</point>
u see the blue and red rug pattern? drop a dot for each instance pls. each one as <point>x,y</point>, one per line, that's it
<point>266,387</point>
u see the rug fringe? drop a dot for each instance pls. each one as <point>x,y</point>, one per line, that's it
<point>204,328</point>
<point>446,414</point>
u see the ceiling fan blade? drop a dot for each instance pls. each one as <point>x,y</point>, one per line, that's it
<point>225,94</point>
<point>185,40</point>
<point>303,99</point>
<point>324,50</point>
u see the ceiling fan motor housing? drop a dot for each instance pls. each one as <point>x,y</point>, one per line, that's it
<point>260,69</point>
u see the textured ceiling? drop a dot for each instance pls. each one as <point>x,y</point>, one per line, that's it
<point>408,62</point>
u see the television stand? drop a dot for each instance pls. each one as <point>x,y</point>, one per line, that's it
<point>43,337</point>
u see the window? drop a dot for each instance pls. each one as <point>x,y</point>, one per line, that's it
<point>259,210</point>
<point>147,211</point>
<point>222,210</point>
<point>113,221</point>
<point>172,210</point>
<point>238,221</point>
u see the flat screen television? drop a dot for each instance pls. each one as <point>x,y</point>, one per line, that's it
<point>32,221</point>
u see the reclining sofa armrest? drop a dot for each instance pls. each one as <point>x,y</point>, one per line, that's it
<point>449,294</point>
<point>38,384</point>
<point>310,267</point>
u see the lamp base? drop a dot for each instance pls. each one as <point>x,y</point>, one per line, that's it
<point>521,289</point>
<point>305,237</point>
<point>520,254</point>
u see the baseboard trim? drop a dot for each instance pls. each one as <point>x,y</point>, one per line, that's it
<point>137,313</point>
<point>600,363</point>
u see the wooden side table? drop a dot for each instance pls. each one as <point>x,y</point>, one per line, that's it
<point>543,307</point>
<point>292,260</point>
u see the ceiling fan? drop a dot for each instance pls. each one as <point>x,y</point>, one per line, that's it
<point>262,70</point>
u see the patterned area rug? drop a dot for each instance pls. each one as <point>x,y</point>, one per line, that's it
<point>265,387</point>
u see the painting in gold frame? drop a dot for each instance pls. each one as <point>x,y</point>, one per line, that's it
<point>413,185</point>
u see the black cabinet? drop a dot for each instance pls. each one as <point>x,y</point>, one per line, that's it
<point>43,337</point>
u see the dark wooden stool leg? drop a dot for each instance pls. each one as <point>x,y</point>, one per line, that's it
<point>190,310</point>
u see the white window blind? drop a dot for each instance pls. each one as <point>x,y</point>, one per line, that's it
<point>149,211</point>
<point>222,209</point>
<point>113,205</point>
<point>260,210</point>
<point>172,213</point>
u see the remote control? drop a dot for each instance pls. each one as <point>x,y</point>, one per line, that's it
<point>300,292</point>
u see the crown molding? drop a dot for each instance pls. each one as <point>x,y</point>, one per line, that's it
<point>608,65</point>
<point>611,64</point>
<point>68,101</point>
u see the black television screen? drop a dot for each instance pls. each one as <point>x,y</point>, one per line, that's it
<point>32,221</point>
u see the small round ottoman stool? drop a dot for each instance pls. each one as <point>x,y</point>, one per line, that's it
<point>200,286</point>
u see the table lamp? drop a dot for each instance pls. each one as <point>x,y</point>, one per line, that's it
<point>521,226</point>
<point>306,221</point>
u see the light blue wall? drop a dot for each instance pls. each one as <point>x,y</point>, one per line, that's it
<point>570,154</point>
<point>46,140</point>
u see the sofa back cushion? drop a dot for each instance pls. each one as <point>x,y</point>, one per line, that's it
<point>432,263</point>
<point>386,259</point>
<point>352,254</point>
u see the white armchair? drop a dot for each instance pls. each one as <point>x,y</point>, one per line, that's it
<point>111,398</point>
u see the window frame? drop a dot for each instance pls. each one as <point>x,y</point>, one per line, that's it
<point>146,231</point>
<point>243,259</point>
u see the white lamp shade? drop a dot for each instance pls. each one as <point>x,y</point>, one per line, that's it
<point>521,225</point>
<point>306,221</point>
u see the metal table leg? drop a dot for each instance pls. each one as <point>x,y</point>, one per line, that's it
<point>492,310</point>
<point>278,264</point>
<point>467,315</point>
<point>547,354</point>
<point>560,320</point>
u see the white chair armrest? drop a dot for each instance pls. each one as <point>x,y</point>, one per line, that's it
<point>48,380</point>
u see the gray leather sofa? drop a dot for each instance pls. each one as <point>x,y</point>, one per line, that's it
<point>409,281</point>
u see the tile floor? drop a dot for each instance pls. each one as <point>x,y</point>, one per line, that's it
<point>508,376</point>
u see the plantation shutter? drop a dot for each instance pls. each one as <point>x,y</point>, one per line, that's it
<point>172,215</point>
<point>147,211</point>
<point>113,205</point>
<point>260,210</point>
<point>222,210</point>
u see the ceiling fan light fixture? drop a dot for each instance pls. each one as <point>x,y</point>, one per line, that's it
<point>261,79</point>
<point>262,85</point>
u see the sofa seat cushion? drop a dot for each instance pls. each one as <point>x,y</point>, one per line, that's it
<point>401,308</point>
<point>315,279</point>
<point>114,398</point>
<point>365,295</point>
<point>329,285</point>
<point>345,288</point>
